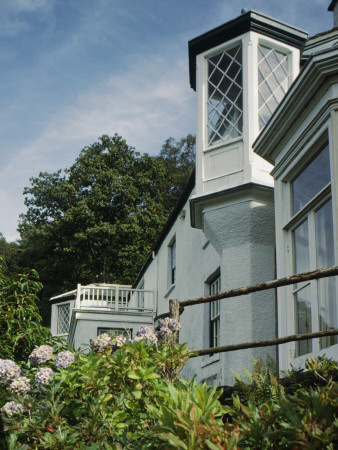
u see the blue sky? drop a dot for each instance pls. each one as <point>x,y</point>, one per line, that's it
<point>73,70</point>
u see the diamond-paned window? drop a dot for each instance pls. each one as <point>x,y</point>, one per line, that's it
<point>63,319</point>
<point>273,81</point>
<point>225,96</point>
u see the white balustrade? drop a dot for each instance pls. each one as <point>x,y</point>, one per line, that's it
<point>115,297</point>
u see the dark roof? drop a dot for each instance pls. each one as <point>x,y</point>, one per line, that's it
<point>170,222</point>
<point>248,21</point>
<point>332,5</point>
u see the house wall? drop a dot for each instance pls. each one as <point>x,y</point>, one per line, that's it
<point>238,240</point>
<point>245,235</point>
<point>88,322</point>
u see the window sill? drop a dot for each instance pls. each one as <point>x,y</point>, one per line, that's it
<point>172,287</point>
<point>223,144</point>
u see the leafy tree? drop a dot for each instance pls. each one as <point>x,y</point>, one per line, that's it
<point>97,220</point>
<point>179,160</point>
<point>20,322</point>
<point>9,252</point>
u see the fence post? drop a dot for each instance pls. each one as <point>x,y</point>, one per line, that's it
<point>174,313</point>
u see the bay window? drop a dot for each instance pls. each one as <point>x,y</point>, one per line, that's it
<point>311,227</point>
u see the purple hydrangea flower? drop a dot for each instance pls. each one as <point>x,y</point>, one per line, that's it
<point>19,385</point>
<point>9,371</point>
<point>101,343</point>
<point>41,354</point>
<point>147,333</point>
<point>63,360</point>
<point>42,377</point>
<point>120,340</point>
<point>12,408</point>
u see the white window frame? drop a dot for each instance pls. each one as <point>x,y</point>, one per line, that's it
<point>215,314</point>
<point>290,221</point>
<point>273,45</point>
<point>58,306</point>
<point>206,56</point>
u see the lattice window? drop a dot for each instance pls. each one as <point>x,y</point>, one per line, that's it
<point>63,319</point>
<point>273,81</point>
<point>215,288</point>
<point>225,96</point>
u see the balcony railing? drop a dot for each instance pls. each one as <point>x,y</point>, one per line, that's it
<point>114,297</point>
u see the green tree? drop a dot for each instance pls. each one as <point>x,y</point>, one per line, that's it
<point>9,252</point>
<point>97,220</point>
<point>179,160</point>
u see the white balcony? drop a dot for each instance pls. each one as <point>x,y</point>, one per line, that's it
<point>82,314</point>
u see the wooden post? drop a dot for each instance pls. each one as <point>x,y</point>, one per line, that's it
<point>174,313</point>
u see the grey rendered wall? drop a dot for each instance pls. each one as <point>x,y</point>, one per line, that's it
<point>244,235</point>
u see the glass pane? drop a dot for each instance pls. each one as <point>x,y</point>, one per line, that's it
<point>63,319</point>
<point>303,319</point>
<point>215,288</point>
<point>225,103</point>
<point>301,242</point>
<point>273,81</point>
<point>302,297</point>
<point>312,180</point>
<point>326,286</point>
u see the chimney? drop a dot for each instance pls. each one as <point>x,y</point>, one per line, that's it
<point>334,7</point>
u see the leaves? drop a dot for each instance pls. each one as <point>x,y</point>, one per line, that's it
<point>97,220</point>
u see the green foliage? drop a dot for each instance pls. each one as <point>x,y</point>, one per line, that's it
<point>9,252</point>
<point>179,159</point>
<point>20,322</point>
<point>100,401</point>
<point>284,414</point>
<point>188,415</point>
<point>97,220</point>
<point>123,400</point>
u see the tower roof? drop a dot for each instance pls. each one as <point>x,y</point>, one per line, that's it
<point>332,5</point>
<point>248,21</point>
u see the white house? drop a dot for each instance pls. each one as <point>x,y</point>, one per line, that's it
<point>266,98</point>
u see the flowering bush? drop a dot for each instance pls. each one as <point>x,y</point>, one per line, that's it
<point>146,333</point>
<point>41,354</point>
<point>12,408</point>
<point>63,359</point>
<point>9,371</point>
<point>20,385</point>
<point>120,340</point>
<point>132,398</point>
<point>42,377</point>
<point>101,343</point>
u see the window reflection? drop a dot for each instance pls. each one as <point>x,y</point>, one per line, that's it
<point>327,286</point>
<point>312,180</point>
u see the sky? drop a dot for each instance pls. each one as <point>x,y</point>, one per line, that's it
<point>74,70</point>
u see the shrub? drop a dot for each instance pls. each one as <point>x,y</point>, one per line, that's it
<point>20,322</point>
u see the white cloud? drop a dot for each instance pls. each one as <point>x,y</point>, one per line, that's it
<point>145,106</point>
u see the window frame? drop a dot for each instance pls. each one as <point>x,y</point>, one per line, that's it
<point>127,332</point>
<point>291,223</point>
<point>58,306</point>
<point>215,318</point>
<point>206,56</point>
<point>273,45</point>
<point>172,258</point>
